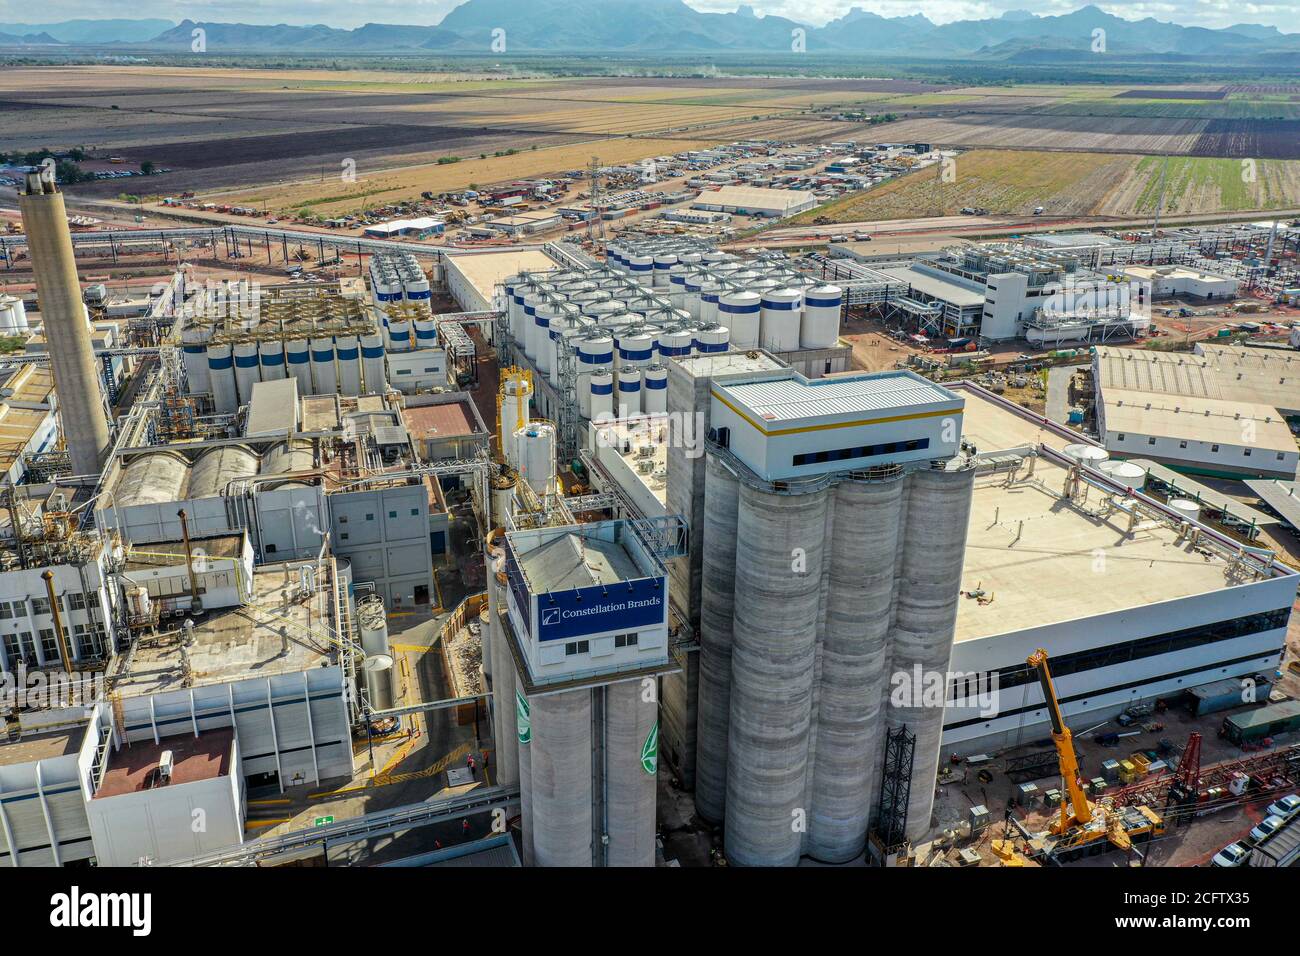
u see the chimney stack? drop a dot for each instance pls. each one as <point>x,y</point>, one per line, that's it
<point>82,413</point>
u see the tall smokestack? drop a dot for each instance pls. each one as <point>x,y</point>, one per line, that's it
<point>67,334</point>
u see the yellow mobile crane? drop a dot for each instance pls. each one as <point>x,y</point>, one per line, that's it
<point>1082,827</point>
<point>1064,740</point>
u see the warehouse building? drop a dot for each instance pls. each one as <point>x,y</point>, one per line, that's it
<point>754,201</point>
<point>474,279</point>
<point>1221,412</point>
<point>1184,282</point>
<point>1132,598</point>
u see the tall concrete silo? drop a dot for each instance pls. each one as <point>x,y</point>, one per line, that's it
<point>67,334</point>
<point>925,614</point>
<point>780,545</point>
<point>631,726</point>
<point>561,778</point>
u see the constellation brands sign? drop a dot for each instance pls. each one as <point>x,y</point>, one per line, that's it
<point>625,606</point>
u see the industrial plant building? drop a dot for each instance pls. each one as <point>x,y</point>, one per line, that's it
<point>1222,412</point>
<point>1136,597</point>
<point>755,201</point>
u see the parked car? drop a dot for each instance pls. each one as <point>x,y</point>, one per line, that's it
<point>1267,827</point>
<point>1285,807</point>
<point>1234,854</point>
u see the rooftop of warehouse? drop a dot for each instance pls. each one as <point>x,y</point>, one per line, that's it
<point>135,768</point>
<point>450,419</point>
<point>1200,419</point>
<point>1174,271</point>
<point>277,633</point>
<point>728,363</point>
<point>791,397</point>
<point>754,196</point>
<point>32,747</point>
<point>1036,555</point>
<point>937,287</point>
<point>158,553</point>
<point>485,271</point>
<point>627,439</point>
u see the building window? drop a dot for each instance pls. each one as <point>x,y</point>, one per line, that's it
<point>415,512</point>
<point>28,645</point>
<point>625,640</point>
<point>1182,444</point>
<point>1151,441</point>
<point>392,514</point>
<point>343,536</point>
<point>7,609</point>
<point>40,605</point>
<point>76,601</point>
<point>863,451</point>
<point>576,647</point>
<point>13,650</point>
<point>50,644</point>
<point>343,519</point>
<point>1214,448</point>
<point>1280,457</point>
<point>1246,452</point>
<point>1119,437</point>
<point>370,517</point>
<point>270,549</point>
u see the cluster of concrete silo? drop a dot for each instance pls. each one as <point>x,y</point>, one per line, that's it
<point>810,602</point>
<point>611,328</point>
<point>396,277</point>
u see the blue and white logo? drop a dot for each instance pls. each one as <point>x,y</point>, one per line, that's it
<point>551,616</point>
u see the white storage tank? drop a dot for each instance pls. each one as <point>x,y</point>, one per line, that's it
<point>629,391</point>
<point>535,452</point>
<point>194,353</point>
<point>399,334</point>
<point>372,364</point>
<point>221,373</point>
<point>1085,454</point>
<point>271,355</point>
<point>380,676</point>
<point>544,348</point>
<point>780,319</point>
<point>821,317</point>
<point>602,394</point>
<point>322,366</point>
<point>1186,508</point>
<point>693,284</point>
<point>518,392</point>
<point>642,269</point>
<point>348,349</point>
<point>372,624</point>
<point>426,334</point>
<point>663,264</point>
<point>710,290</point>
<point>636,347</point>
<point>1125,473</point>
<point>741,313</point>
<point>297,357</point>
<point>712,339</point>
<point>654,386</point>
<point>248,371</point>
<point>595,350</point>
<point>677,342</point>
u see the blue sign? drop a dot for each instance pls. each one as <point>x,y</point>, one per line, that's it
<point>623,607</point>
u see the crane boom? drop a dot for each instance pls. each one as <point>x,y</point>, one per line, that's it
<point>1064,742</point>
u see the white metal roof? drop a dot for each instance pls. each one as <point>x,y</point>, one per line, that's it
<point>795,398</point>
<point>939,288</point>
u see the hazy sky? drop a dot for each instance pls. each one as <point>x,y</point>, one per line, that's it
<point>350,13</point>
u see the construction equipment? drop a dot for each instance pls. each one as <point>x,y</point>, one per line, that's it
<point>1064,740</point>
<point>1081,828</point>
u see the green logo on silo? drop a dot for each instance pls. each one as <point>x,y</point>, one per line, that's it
<point>524,718</point>
<point>650,751</point>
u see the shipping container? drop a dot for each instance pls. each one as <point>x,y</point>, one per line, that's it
<point>1269,721</point>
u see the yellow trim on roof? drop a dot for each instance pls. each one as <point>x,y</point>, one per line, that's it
<point>817,428</point>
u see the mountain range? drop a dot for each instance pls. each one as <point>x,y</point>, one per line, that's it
<point>666,26</point>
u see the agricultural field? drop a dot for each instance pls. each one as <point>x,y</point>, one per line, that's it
<point>1076,184</point>
<point>280,138</point>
